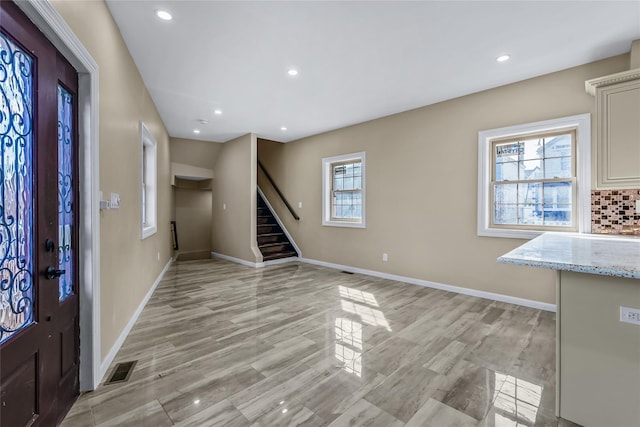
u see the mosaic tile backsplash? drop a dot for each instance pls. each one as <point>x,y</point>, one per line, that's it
<point>614,212</point>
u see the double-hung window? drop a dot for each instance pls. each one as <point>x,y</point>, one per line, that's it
<point>531,179</point>
<point>148,180</point>
<point>343,200</point>
<point>534,181</point>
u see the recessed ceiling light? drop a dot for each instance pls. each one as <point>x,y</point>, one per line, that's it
<point>164,15</point>
<point>217,112</point>
<point>503,58</point>
<point>196,131</point>
<point>283,128</point>
<point>292,72</point>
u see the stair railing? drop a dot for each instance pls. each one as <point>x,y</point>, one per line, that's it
<point>275,187</point>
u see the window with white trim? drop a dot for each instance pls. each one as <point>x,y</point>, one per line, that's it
<point>535,178</point>
<point>343,189</point>
<point>148,180</point>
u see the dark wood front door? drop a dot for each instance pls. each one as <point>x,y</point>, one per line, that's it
<point>39,329</point>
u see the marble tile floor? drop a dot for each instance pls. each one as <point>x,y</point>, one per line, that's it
<point>220,344</point>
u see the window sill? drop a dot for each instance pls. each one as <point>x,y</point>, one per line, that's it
<point>518,234</point>
<point>344,224</point>
<point>148,232</point>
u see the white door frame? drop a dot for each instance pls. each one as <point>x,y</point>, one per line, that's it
<point>53,26</point>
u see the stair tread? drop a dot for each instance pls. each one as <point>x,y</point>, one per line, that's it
<point>275,247</point>
<point>267,245</point>
<point>276,244</point>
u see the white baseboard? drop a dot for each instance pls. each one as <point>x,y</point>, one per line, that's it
<point>237,260</point>
<point>255,264</point>
<point>104,366</point>
<point>449,288</point>
<point>281,261</point>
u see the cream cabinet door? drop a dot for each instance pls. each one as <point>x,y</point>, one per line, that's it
<point>618,135</point>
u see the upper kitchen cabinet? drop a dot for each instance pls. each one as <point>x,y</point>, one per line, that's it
<point>617,143</point>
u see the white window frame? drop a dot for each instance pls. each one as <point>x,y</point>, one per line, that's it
<point>582,125</point>
<point>148,183</point>
<point>326,190</point>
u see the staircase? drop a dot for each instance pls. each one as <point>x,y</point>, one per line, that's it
<point>272,241</point>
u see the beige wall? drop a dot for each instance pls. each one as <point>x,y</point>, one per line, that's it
<point>422,177</point>
<point>202,154</point>
<point>126,275</point>
<point>193,207</point>
<point>193,219</point>
<point>234,186</point>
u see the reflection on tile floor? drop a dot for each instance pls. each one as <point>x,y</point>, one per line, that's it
<point>220,344</point>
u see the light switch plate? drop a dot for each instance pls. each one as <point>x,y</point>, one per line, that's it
<point>115,201</point>
<point>104,204</point>
<point>637,207</point>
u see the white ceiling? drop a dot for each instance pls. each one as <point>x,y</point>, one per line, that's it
<point>357,60</point>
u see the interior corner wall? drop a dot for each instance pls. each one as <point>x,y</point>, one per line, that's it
<point>422,183</point>
<point>193,220</point>
<point>234,200</point>
<point>193,206</point>
<point>126,275</point>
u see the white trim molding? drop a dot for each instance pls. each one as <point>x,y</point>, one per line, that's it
<point>104,367</point>
<point>254,264</point>
<point>237,260</point>
<point>53,26</point>
<point>148,183</point>
<point>281,261</point>
<point>449,288</point>
<point>326,190</point>
<point>624,76</point>
<point>582,124</point>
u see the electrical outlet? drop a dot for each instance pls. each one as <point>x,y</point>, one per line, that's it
<point>630,315</point>
<point>224,206</point>
<point>300,205</point>
<point>385,257</point>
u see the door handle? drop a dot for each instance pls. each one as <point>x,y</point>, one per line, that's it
<point>51,273</point>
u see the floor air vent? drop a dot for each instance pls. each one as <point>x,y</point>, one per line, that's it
<point>122,372</point>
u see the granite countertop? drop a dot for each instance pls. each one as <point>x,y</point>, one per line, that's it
<point>583,253</point>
